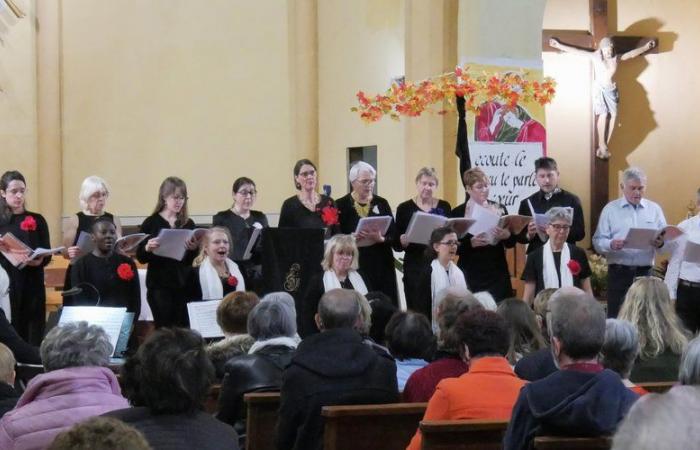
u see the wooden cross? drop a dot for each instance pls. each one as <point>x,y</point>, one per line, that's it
<point>589,39</point>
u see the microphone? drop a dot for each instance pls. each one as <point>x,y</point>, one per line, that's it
<point>327,190</point>
<point>76,290</point>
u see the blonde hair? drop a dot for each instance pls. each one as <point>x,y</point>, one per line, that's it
<point>7,365</point>
<point>648,306</point>
<point>474,175</point>
<point>339,242</point>
<point>428,172</point>
<point>205,242</point>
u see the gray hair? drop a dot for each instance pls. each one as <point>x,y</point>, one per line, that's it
<point>689,370</point>
<point>486,300</point>
<point>578,322</point>
<point>270,320</point>
<point>339,308</point>
<point>634,173</point>
<point>75,344</point>
<point>454,303</point>
<point>565,214</point>
<point>428,172</point>
<point>365,315</point>
<point>91,185</point>
<point>661,421</point>
<point>621,346</point>
<point>358,168</point>
<point>282,297</point>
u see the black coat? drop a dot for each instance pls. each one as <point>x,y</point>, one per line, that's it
<point>24,353</point>
<point>334,367</point>
<point>8,398</point>
<point>541,205</point>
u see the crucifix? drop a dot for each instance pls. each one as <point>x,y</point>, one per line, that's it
<point>588,41</point>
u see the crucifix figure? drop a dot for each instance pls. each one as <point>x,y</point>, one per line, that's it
<point>604,90</point>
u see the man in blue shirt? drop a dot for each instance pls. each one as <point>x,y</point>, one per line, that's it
<point>632,210</point>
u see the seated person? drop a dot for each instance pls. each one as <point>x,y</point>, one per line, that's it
<point>77,385</point>
<point>526,336</point>
<point>232,317</point>
<point>333,367</point>
<point>100,433</point>
<point>111,274</point>
<point>167,382</point>
<point>490,388</point>
<point>8,394</point>
<point>620,349</point>
<point>214,274</point>
<point>272,326</point>
<point>448,362</point>
<point>689,372</point>
<point>486,300</point>
<point>411,342</point>
<point>581,398</point>
<point>23,352</point>
<point>383,309</point>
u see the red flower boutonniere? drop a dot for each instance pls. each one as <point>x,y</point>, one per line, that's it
<point>232,281</point>
<point>329,215</point>
<point>28,224</point>
<point>125,272</point>
<point>574,267</point>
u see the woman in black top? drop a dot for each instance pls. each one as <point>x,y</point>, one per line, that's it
<point>414,260</point>
<point>376,259</point>
<point>167,278</point>
<point>308,209</point>
<point>241,220</point>
<point>215,275</point>
<point>27,291</point>
<point>482,258</point>
<point>113,275</point>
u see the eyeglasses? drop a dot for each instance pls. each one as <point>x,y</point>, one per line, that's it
<point>244,193</point>
<point>560,227</point>
<point>451,243</point>
<point>368,182</point>
<point>16,191</point>
<point>308,173</point>
<point>179,198</point>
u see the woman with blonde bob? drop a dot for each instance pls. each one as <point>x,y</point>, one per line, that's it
<point>215,275</point>
<point>662,338</point>
<point>340,270</point>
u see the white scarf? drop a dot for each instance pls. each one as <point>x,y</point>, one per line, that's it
<point>331,281</point>
<point>550,271</point>
<point>290,342</point>
<point>441,279</point>
<point>211,283</point>
<point>5,294</point>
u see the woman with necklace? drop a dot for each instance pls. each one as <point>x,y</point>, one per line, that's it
<point>215,275</point>
<point>377,259</point>
<point>414,261</point>
<point>241,220</point>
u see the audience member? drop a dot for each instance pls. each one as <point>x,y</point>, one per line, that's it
<point>490,388</point>
<point>77,385</point>
<point>662,337</point>
<point>383,309</point>
<point>329,368</point>
<point>24,353</point>
<point>8,394</point>
<point>581,398</point>
<point>526,336</point>
<point>100,433</point>
<point>689,372</point>
<point>411,342</point>
<point>620,349</point>
<point>167,382</point>
<point>486,300</point>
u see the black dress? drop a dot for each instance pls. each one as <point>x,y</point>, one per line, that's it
<point>295,215</point>
<point>534,267</point>
<point>166,278</point>
<point>241,229</point>
<point>485,268</point>
<point>27,291</point>
<point>414,260</point>
<point>541,205</point>
<point>85,223</point>
<point>376,261</point>
<point>103,273</point>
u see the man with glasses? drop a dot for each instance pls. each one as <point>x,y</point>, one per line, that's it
<point>618,216</point>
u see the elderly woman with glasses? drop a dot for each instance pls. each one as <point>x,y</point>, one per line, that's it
<point>557,263</point>
<point>376,255</point>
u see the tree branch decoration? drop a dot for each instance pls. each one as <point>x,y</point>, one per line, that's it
<point>15,10</point>
<point>413,99</point>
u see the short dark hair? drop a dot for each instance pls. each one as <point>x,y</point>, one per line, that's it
<point>170,373</point>
<point>240,182</point>
<point>409,335</point>
<point>382,310</point>
<point>546,163</point>
<point>484,332</point>
<point>436,237</point>
<point>100,433</point>
<point>578,321</point>
<point>232,312</point>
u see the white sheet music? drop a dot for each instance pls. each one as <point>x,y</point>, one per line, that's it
<point>172,241</point>
<point>257,229</point>
<point>203,318</point>
<point>110,319</point>
<point>640,238</point>
<point>421,227</point>
<point>372,224</point>
<point>485,220</point>
<point>85,243</point>
<point>692,252</point>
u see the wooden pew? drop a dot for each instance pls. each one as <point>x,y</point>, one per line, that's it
<point>658,387</point>
<point>463,434</point>
<point>211,404</point>
<point>370,427</point>
<point>261,421</point>
<point>573,443</point>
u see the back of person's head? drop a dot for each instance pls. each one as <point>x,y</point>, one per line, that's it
<point>649,307</point>
<point>338,308</point>
<point>365,322</point>
<point>662,421</point>
<point>689,370</point>
<point>75,344</point>
<point>170,373</point>
<point>100,433</point>
<point>270,320</point>
<point>620,348</point>
<point>484,333</point>
<point>282,297</point>
<point>486,300</point>
<point>382,310</point>
<point>577,321</point>
<point>410,336</point>
<point>541,305</point>
<point>453,304</point>
<point>526,336</point>
<point>232,312</point>
<point>7,365</point>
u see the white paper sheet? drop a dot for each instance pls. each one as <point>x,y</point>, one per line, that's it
<point>85,243</point>
<point>110,319</point>
<point>484,219</point>
<point>257,229</point>
<point>203,318</point>
<point>421,227</point>
<point>372,224</point>
<point>692,252</point>
<point>640,238</point>
<point>172,241</point>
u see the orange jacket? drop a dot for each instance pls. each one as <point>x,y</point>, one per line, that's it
<point>488,391</point>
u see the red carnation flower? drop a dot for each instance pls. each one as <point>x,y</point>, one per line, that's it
<point>232,281</point>
<point>125,272</point>
<point>574,267</point>
<point>28,224</point>
<point>329,215</point>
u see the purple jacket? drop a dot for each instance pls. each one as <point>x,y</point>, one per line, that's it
<point>56,400</point>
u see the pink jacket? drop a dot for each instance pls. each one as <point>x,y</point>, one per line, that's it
<point>56,400</point>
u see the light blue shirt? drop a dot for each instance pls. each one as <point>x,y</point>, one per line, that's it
<point>615,221</point>
<point>405,368</point>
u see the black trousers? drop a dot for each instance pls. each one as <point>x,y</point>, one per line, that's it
<point>688,305</point>
<point>620,278</point>
<point>169,307</point>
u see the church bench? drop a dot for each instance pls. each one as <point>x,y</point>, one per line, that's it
<point>572,443</point>
<point>463,434</point>
<point>211,404</point>
<point>381,427</point>
<point>261,420</point>
<point>658,387</point>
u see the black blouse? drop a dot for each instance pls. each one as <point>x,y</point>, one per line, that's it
<point>534,267</point>
<point>85,223</point>
<point>38,237</point>
<point>295,215</point>
<point>414,256</point>
<point>241,229</point>
<point>103,273</point>
<point>194,287</point>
